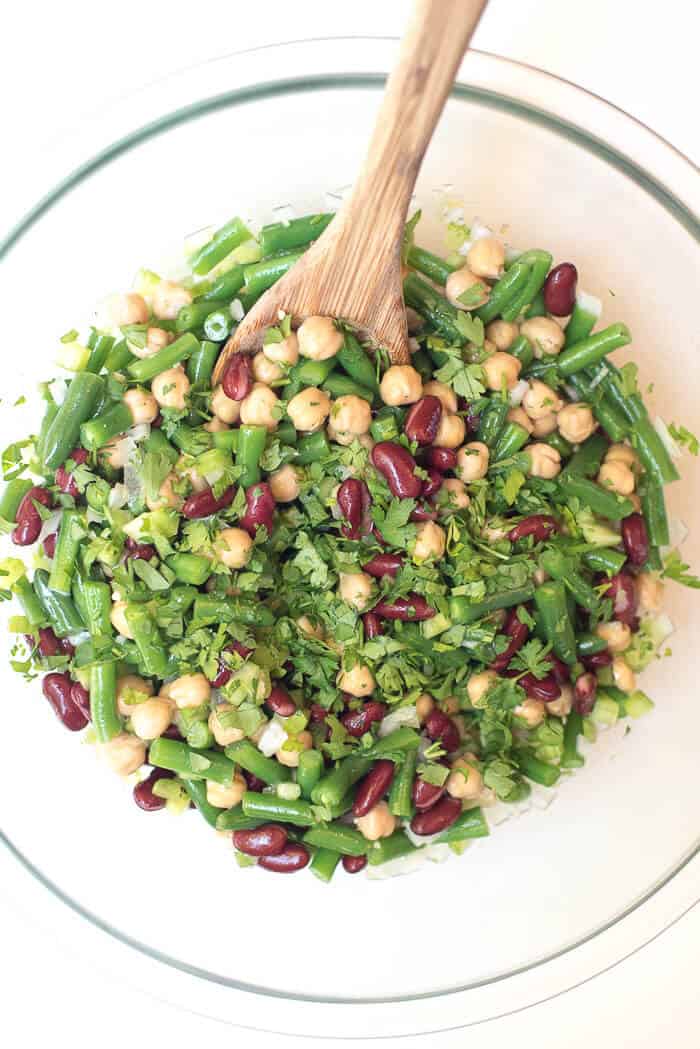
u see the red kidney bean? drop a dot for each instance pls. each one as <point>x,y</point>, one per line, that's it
<point>57,689</point>
<point>545,688</point>
<point>442,459</point>
<point>138,551</point>
<point>64,479</point>
<point>81,697</point>
<point>260,508</point>
<point>635,539</point>
<point>238,377</point>
<point>354,501</point>
<point>397,466</point>
<point>293,858</point>
<point>223,676</point>
<point>410,609</point>
<point>560,671</point>
<point>203,504</point>
<point>560,289</point>
<point>49,544</point>
<point>433,484</point>
<point>359,721</point>
<point>584,694</point>
<point>439,726</point>
<point>280,702</point>
<point>157,422</point>
<point>598,660</point>
<point>317,712</point>
<point>425,795</point>
<point>173,732</point>
<point>224,672</point>
<point>354,864</point>
<point>438,817</point>
<point>623,594</point>
<point>252,782</point>
<point>539,525</point>
<point>384,564</point>
<point>518,634</point>
<point>47,645</point>
<point>423,420</point>
<point>27,516</point>
<point>373,787</point>
<point>423,513</point>
<point>143,791</point>
<point>267,840</point>
<point>372,624</point>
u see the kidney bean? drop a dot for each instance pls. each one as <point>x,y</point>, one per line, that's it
<point>81,697</point>
<point>438,817</point>
<point>384,564</point>
<point>623,594</point>
<point>560,289</point>
<point>354,864</point>
<point>545,688</point>
<point>173,732</point>
<point>373,787</point>
<point>64,479</point>
<point>410,609</point>
<point>238,377</point>
<point>539,525</point>
<point>49,544</point>
<point>359,721</point>
<point>354,501</point>
<point>138,551</point>
<point>372,624</point>
<point>260,508</point>
<point>203,504</point>
<point>293,858</point>
<point>584,694</point>
<point>598,660</point>
<point>252,782</point>
<point>397,466</point>
<point>280,702</point>
<point>27,516</point>
<point>267,840</point>
<point>433,484</point>
<point>560,671</point>
<point>224,671</point>
<point>143,791</point>
<point>423,420</point>
<point>635,539</point>
<point>423,513</point>
<point>57,689</point>
<point>471,417</point>
<point>425,795</point>
<point>47,645</point>
<point>442,459</point>
<point>317,712</point>
<point>439,726</point>
<point>518,634</point>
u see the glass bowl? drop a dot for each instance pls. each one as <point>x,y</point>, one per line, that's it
<point>551,898</point>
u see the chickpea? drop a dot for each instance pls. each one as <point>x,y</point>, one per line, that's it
<point>265,370</point>
<point>472,461</point>
<point>531,711</point>
<point>444,393</point>
<point>309,409</point>
<point>430,542</point>
<point>156,339</point>
<point>290,758</point>
<point>351,415</point>
<point>132,683</point>
<point>150,719</point>
<point>226,795</point>
<point>171,387</point>
<point>401,384</point>
<point>116,311</point>
<point>311,629</point>
<point>464,781</point>
<point>366,441</point>
<point>258,408</point>
<point>189,690</point>
<point>650,593</point>
<point>234,547</point>
<point>167,496</point>
<point>478,685</point>
<point>544,426</point>
<point>502,334</point>
<point>215,425</point>
<point>561,706</point>
<point>617,636</point>
<point>457,498</point>
<point>576,422</point>
<point>115,453</point>
<point>355,588</point>
<point>465,285</point>
<point>616,477</point>
<point>623,675</point>
<point>123,753</point>
<point>520,416</point>
<point>285,484</point>
<point>343,439</point>
<point>142,405</point>
<point>544,335</point>
<point>451,431</point>
<point>284,352</point>
<point>223,735</point>
<point>168,299</point>
<point>541,400</point>
<point>494,533</point>
<point>544,461</point>
<point>414,321</point>
<point>223,407</point>
<point>424,705</point>
<point>623,453</point>
<point>359,681</point>
<point>636,502</point>
<point>501,370</point>
<point>378,823</point>
<point>118,620</point>
<point>486,257</point>
<point>319,339</point>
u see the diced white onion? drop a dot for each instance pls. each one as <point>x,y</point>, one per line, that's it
<point>590,303</point>
<point>118,497</point>
<point>49,525</point>
<point>272,738</point>
<point>402,716</point>
<point>284,214</point>
<point>139,432</point>
<point>421,839</point>
<point>288,791</point>
<point>518,392</point>
<point>133,482</point>
<point>93,515</point>
<point>438,853</point>
<point>236,310</point>
<point>668,442</point>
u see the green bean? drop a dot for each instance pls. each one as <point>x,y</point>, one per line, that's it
<point>31,605</point>
<point>589,644</point>
<point>604,560</point>
<point>545,370</point>
<point>251,444</point>
<point>343,386</point>
<point>190,568</point>
<point>602,501</point>
<point>119,357</point>
<point>336,836</point>
<point>555,440</point>
<point>571,759</point>
<point>218,325</point>
<point>390,848</point>
<point>297,233</point>
<point>103,701</point>
<point>64,431</point>
<point>387,425</point>
<point>100,347</point>
<point>505,291</point>
<point>210,609</point>
<point>97,602</point>
<point>148,640</point>
<point>464,611</point>
<point>281,810</point>
<point>324,863</point>
<point>71,532</point>
<point>539,263</point>
<point>522,350</point>
<point>423,365</point>
<point>560,567</point>
<point>536,308</point>
<point>309,770</point>
<point>336,809</point>
<point>146,369</point>
<point>59,608</point>
<point>50,413</point>
<point>470,824</point>
<point>586,461</point>
<point>193,440</point>
<point>224,288</point>
<point>553,617</point>
<point>335,785</point>
<point>177,757</point>
<point>431,266</point>
<point>444,317</point>
<point>226,440</point>
<point>285,433</point>
<point>401,739</point>
<point>197,792</point>
<point>200,365</point>
<point>401,793</point>
<point>260,276</point>
<point>652,452</point>
<point>12,495</point>
<point>581,323</point>
<point>159,444</point>
<point>308,373</point>
<point>312,448</point>
<point>536,770</point>
<point>654,562</point>
<point>355,360</point>
<point>235,819</point>
<point>193,316</point>
<point>245,754</point>
<point>492,420</point>
<point>97,432</point>
<point>593,349</point>
<point>513,437</point>
<point>654,510</point>
<point>223,242</point>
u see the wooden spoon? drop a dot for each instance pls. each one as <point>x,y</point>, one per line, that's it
<point>353,271</point>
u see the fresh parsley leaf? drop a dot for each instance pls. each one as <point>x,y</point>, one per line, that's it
<point>677,570</point>
<point>467,380</point>
<point>512,483</point>
<point>531,659</point>
<point>394,522</point>
<point>627,379</point>
<point>685,438</point>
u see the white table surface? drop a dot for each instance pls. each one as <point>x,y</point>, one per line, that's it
<point>61,61</point>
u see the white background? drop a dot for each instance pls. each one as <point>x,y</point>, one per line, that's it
<point>61,61</point>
